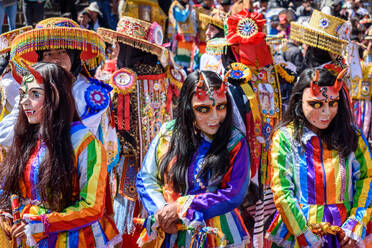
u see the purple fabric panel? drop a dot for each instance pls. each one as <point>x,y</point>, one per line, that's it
<point>334,210</point>
<point>331,241</point>
<point>310,173</point>
<point>350,224</point>
<point>225,197</point>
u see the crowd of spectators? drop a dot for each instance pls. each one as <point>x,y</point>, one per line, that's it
<point>92,14</point>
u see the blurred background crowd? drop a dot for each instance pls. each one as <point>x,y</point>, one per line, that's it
<point>106,13</point>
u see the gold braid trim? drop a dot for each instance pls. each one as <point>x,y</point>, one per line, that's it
<point>284,74</point>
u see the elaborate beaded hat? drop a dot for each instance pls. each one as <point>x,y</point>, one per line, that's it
<point>59,33</point>
<point>138,34</point>
<point>216,18</point>
<point>7,38</point>
<point>323,31</point>
<point>242,28</point>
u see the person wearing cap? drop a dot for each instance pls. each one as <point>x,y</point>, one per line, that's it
<point>96,16</point>
<point>62,41</point>
<point>214,23</point>
<point>144,87</point>
<point>259,90</point>
<point>200,43</point>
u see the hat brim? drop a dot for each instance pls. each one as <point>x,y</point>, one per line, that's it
<point>94,10</point>
<point>207,19</point>
<point>112,36</point>
<point>91,45</point>
<point>12,32</point>
<point>316,38</point>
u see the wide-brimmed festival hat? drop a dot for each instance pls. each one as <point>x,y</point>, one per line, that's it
<point>323,31</point>
<point>58,33</point>
<point>7,38</point>
<point>139,34</point>
<point>216,17</point>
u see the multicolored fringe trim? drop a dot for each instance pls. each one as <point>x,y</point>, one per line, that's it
<point>92,46</point>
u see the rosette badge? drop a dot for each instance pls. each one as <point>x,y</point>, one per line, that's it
<point>245,27</point>
<point>124,82</point>
<point>240,71</point>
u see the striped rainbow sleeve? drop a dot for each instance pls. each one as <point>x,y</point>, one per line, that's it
<point>195,209</point>
<point>355,225</point>
<point>148,186</point>
<point>92,172</point>
<point>283,190</point>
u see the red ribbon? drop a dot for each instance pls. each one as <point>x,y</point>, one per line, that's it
<point>126,112</point>
<point>169,97</point>
<point>120,111</point>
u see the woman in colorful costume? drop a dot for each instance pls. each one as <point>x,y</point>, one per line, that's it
<point>321,168</point>
<point>62,41</point>
<point>259,89</point>
<point>142,101</point>
<point>55,173</point>
<point>196,171</point>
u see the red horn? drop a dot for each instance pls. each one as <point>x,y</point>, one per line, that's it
<point>36,74</point>
<point>15,74</point>
<point>200,93</point>
<point>339,81</point>
<point>313,84</point>
<point>223,89</point>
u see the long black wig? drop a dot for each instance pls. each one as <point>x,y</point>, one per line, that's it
<point>186,138</point>
<point>56,175</point>
<point>341,133</point>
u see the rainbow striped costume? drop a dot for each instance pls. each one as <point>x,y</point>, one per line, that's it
<point>211,206</point>
<point>85,224</point>
<point>312,184</point>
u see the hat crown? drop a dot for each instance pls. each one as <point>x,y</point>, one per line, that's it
<point>57,22</point>
<point>141,29</point>
<point>326,23</point>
